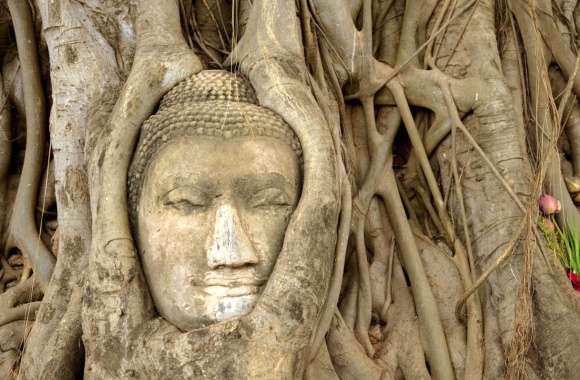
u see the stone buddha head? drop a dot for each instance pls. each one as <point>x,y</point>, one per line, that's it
<point>213,183</point>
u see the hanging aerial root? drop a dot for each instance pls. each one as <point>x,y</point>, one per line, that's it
<point>569,111</point>
<point>541,10</point>
<point>369,76</point>
<point>382,246</point>
<point>435,341</point>
<point>348,304</point>
<point>369,82</point>
<point>380,151</point>
<point>453,91</point>
<point>426,200</point>
<point>402,335</point>
<point>23,233</point>
<point>475,354</point>
<point>545,108</point>
<point>364,300</point>
<point>401,66</point>
<point>365,89</point>
<point>458,187</point>
<point>362,203</point>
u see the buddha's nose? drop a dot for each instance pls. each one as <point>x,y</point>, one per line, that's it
<point>229,246</point>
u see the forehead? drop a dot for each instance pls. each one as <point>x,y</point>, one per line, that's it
<point>209,157</point>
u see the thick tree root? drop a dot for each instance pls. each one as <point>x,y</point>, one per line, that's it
<point>337,275</point>
<point>370,76</point>
<point>85,78</point>
<point>5,155</point>
<point>475,358</point>
<point>23,233</point>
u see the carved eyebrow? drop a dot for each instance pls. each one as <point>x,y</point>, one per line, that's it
<point>253,182</point>
<point>184,191</point>
<point>204,185</point>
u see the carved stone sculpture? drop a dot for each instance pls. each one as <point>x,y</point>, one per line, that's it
<point>214,180</point>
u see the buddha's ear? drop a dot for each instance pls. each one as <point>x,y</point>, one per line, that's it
<point>271,56</point>
<point>117,293</point>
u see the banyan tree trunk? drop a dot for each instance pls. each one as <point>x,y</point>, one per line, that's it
<point>430,131</point>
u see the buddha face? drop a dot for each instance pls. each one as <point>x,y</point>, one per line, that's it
<point>211,222</point>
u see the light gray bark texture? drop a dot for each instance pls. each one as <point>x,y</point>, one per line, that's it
<point>398,237</point>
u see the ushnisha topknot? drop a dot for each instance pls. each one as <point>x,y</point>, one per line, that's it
<point>211,103</point>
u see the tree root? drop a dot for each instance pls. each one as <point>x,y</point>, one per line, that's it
<point>380,270</point>
<point>364,299</point>
<point>20,302</point>
<point>427,311</point>
<point>448,288</point>
<point>16,313</point>
<point>370,75</point>
<point>559,47</point>
<point>9,275</point>
<point>12,335</point>
<point>338,271</point>
<point>162,59</point>
<point>402,340</point>
<point>85,76</point>
<point>23,233</point>
<point>348,357</point>
<point>5,153</point>
<point>12,338</point>
<point>571,117</point>
<point>544,106</point>
<point>8,363</point>
<point>46,194</point>
<point>474,361</point>
<point>348,304</point>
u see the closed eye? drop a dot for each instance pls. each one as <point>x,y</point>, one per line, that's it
<point>186,199</point>
<point>270,197</point>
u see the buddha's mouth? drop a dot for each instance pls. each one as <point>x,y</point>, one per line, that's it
<point>232,291</point>
<point>231,282</point>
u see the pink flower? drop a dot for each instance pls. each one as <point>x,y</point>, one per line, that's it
<point>549,205</point>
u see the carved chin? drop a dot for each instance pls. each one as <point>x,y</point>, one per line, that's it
<point>221,308</point>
